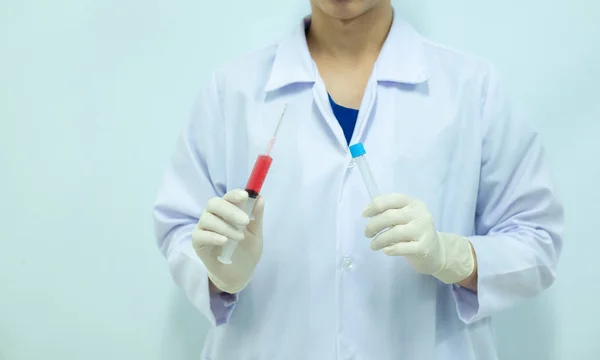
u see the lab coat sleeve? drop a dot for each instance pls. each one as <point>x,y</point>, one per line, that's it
<point>195,173</point>
<point>519,220</point>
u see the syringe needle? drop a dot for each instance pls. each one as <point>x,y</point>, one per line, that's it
<point>272,140</point>
<point>281,118</point>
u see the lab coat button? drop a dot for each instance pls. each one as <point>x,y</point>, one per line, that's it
<point>352,164</point>
<point>347,263</point>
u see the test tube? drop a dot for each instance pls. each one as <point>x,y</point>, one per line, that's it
<point>358,154</point>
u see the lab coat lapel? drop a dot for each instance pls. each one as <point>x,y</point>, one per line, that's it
<point>401,61</point>
<point>321,98</point>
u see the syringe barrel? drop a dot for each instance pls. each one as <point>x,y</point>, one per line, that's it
<point>229,248</point>
<point>253,187</point>
<point>259,174</point>
<point>358,154</point>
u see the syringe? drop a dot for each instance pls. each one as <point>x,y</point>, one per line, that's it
<point>358,154</point>
<point>253,187</point>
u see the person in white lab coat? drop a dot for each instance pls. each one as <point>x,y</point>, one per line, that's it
<point>474,225</point>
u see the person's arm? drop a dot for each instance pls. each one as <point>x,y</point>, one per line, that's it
<point>519,221</point>
<point>195,174</point>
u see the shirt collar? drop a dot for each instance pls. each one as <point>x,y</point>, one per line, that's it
<point>293,63</point>
<point>402,58</point>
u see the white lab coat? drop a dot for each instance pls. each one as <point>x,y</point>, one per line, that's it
<point>436,125</point>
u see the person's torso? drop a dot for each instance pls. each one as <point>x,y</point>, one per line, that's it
<point>319,291</point>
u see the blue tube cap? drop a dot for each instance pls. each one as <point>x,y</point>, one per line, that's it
<point>357,150</point>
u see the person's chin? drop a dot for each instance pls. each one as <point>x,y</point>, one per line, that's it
<point>345,14</point>
<point>344,9</point>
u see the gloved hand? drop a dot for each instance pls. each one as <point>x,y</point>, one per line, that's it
<point>221,220</point>
<point>412,234</point>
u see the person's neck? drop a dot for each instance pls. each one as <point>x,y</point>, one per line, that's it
<point>350,40</point>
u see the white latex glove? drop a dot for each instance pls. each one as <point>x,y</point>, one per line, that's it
<point>412,234</point>
<point>221,220</point>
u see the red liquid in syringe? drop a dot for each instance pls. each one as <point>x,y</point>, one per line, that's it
<point>258,175</point>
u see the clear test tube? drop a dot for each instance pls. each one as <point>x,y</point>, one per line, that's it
<point>358,154</point>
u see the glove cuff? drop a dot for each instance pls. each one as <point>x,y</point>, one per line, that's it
<point>458,260</point>
<point>228,288</point>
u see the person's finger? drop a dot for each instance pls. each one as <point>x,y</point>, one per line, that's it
<point>394,235</point>
<point>386,202</point>
<point>202,238</point>
<point>255,226</point>
<point>413,248</point>
<point>387,219</point>
<point>211,222</point>
<point>228,211</point>
<point>236,196</point>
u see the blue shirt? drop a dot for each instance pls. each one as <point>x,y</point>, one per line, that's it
<point>346,117</point>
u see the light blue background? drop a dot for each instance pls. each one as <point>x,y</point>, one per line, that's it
<point>92,96</point>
